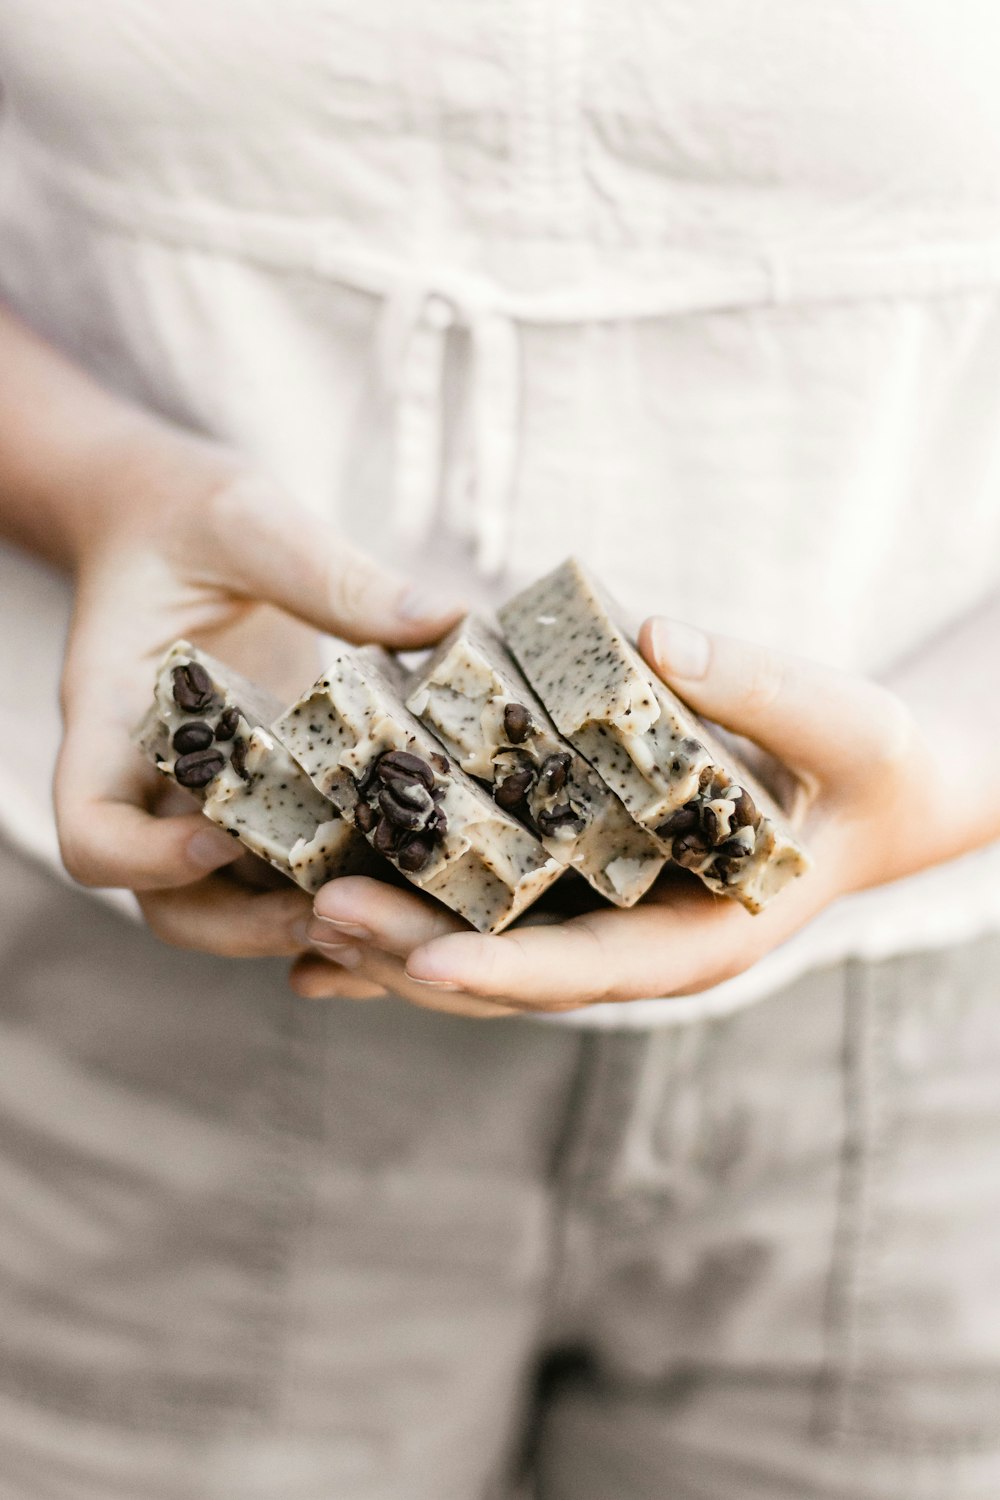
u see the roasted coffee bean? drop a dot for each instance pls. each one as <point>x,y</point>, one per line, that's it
<point>681,821</point>
<point>510,793</point>
<point>365,817</point>
<point>440,763</point>
<point>364,783</point>
<point>399,813</point>
<point>437,824</point>
<point>193,691</point>
<point>385,836</point>
<point>228,724</point>
<point>745,813</point>
<point>238,759</point>
<point>707,779</point>
<point>550,820</point>
<point>724,870</point>
<point>414,855</point>
<point>517,723</point>
<point>402,760</point>
<point>199,768</point>
<point>552,776</point>
<point>732,849</point>
<point>689,851</point>
<point>407,789</point>
<point>197,735</point>
<point>711,825</point>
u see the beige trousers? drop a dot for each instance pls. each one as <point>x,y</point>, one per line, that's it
<point>255,1248</point>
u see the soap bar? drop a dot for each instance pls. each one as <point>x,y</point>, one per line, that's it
<point>475,698</point>
<point>669,768</point>
<point>388,775</point>
<point>207,731</point>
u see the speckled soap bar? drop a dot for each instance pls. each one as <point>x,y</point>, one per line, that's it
<point>669,769</point>
<point>206,731</point>
<point>390,777</point>
<point>476,700</point>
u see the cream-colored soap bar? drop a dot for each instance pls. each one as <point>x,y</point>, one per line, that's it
<point>206,731</point>
<point>673,774</point>
<point>476,700</point>
<point>390,777</point>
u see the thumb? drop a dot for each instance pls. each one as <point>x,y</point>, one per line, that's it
<point>814,718</point>
<point>278,552</point>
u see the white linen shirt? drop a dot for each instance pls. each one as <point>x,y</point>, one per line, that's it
<point>708,294</point>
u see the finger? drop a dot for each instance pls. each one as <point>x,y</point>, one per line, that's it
<point>356,909</point>
<point>315,979</point>
<point>217,916</point>
<point>683,942</point>
<point>384,969</point>
<point>285,555</point>
<point>106,833</point>
<point>812,717</point>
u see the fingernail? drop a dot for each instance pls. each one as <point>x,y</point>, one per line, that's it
<point>210,848</point>
<point>339,953</point>
<point>420,604</point>
<point>435,984</point>
<point>680,649</point>
<point>327,930</point>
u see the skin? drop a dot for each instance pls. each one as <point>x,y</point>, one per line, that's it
<point>170,535</point>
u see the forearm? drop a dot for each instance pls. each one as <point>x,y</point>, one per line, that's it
<point>65,444</point>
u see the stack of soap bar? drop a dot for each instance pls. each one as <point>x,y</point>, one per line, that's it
<point>671,772</point>
<point>476,700</point>
<point>388,775</point>
<point>206,731</point>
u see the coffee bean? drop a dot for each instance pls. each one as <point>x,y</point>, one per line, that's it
<point>193,691</point>
<point>563,816</point>
<point>365,817</point>
<point>399,813</point>
<point>732,849</point>
<point>711,825</point>
<point>706,780</point>
<point>510,793</point>
<point>517,723</point>
<point>228,724</point>
<point>238,759</point>
<point>552,776</point>
<point>689,851</point>
<point>199,768</point>
<point>437,824</point>
<point>414,855</point>
<point>724,870</point>
<point>364,783</point>
<point>440,763</point>
<point>682,821</point>
<point>385,836</point>
<point>197,735</point>
<point>745,813</point>
<point>407,789</point>
<point>402,760</point>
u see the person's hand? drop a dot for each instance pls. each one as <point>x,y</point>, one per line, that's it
<point>875,809</point>
<point>179,539</point>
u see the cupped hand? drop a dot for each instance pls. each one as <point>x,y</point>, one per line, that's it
<point>868,815</point>
<point>182,539</point>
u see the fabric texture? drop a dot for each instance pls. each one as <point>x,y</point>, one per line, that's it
<point>254,1247</point>
<point>709,297</point>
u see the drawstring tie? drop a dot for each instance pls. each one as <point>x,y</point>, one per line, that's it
<point>412,341</point>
